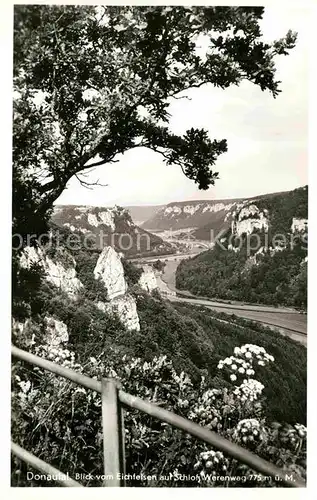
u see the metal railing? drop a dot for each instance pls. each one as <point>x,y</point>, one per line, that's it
<point>114,400</point>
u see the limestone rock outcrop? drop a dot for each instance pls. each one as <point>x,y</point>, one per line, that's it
<point>248,219</point>
<point>110,270</point>
<point>125,308</point>
<point>299,225</point>
<point>61,272</point>
<point>147,280</point>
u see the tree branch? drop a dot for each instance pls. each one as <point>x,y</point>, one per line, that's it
<point>89,185</point>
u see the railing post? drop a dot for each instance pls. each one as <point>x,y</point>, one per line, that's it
<point>113,433</point>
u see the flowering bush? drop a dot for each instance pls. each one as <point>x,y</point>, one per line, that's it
<point>61,422</point>
<point>243,362</point>
<point>249,390</point>
<point>211,463</point>
<point>250,431</point>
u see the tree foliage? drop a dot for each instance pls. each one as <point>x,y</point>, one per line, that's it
<point>93,82</point>
<point>272,279</point>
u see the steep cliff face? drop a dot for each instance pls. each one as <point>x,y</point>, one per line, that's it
<point>299,225</point>
<point>181,215</point>
<point>60,272</point>
<point>278,215</point>
<point>86,218</point>
<point>147,279</point>
<point>110,270</point>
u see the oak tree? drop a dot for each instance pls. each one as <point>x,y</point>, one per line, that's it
<point>93,82</point>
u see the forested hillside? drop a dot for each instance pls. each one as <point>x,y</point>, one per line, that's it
<point>273,272</point>
<point>109,226</point>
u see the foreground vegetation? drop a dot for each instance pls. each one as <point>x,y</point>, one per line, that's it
<point>61,423</point>
<point>194,338</point>
<point>179,360</point>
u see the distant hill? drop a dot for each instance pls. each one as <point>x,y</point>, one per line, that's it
<point>109,226</point>
<point>141,213</point>
<point>201,215</point>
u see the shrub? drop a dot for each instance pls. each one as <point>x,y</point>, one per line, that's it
<point>61,423</point>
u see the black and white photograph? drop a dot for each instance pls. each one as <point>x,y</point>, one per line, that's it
<point>159,246</point>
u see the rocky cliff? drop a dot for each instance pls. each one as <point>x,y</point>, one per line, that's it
<point>205,218</point>
<point>60,272</point>
<point>147,279</point>
<point>104,226</point>
<point>249,218</point>
<point>181,215</point>
<point>299,225</point>
<point>110,270</point>
<point>125,308</point>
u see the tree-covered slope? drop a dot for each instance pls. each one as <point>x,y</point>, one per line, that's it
<point>265,265</point>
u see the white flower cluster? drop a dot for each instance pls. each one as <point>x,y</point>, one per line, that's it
<point>249,390</point>
<point>25,386</point>
<point>290,434</point>
<point>206,415</point>
<point>182,380</point>
<point>252,350</point>
<point>242,362</point>
<point>212,462</point>
<point>27,393</point>
<point>58,355</point>
<point>211,395</point>
<point>301,430</point>
<point>249,430</point>
<point>182,403</point>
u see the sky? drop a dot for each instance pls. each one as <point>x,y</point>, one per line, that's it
<point>267,137</point>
